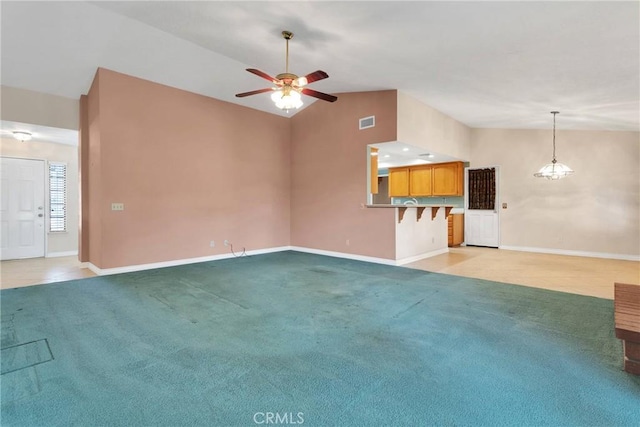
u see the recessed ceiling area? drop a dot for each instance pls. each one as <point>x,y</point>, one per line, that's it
<point>486,64</point>
<point>40,133</point>
<point>394,154</point>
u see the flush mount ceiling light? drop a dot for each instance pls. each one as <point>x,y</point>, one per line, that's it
<point>289,87</point>
<point>554,170</point>
<point>21,135</point>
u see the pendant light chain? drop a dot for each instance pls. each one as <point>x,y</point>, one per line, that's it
<point>554,170</point>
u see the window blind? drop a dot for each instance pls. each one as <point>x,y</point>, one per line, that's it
<point>58,196</point>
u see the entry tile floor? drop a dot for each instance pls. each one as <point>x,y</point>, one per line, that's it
<point>36,271</point>
<point>572,274</point>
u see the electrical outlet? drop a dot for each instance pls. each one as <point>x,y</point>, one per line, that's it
<point>212,244</point>
<point>348,243</point>
<point>226,243</point>
<point>117,206</point>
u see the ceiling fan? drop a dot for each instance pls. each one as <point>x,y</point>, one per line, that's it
<point>288,86</point>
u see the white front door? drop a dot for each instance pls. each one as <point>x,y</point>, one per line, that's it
<point>482,227</point>
<point>22,208</point>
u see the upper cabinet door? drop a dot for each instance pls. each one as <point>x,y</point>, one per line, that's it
<point>420,181</point>
<point>398,182</point>
<point>448,179</point>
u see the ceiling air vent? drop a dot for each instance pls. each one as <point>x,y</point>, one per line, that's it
<point>367,122</point>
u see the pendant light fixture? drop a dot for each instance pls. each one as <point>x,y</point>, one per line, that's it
<point>554,170</point>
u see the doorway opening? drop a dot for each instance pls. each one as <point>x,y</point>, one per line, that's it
<point>482,218</point>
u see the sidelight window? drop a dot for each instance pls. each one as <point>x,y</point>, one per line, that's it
<point>58,196</point>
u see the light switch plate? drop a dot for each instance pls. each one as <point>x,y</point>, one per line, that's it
<point>117,206</point>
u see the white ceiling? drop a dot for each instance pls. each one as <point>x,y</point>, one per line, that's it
<point>487,64</point>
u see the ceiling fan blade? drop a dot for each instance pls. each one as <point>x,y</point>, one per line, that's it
<point>253,92</point>
<point>319,95</point>
<point>315,76</point>
<point>262,74</point>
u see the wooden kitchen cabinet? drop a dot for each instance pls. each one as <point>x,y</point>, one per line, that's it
<point>437,179</point>
<point>398,182</point>
<point>456,229</point>
<point>420,181</point>
<point>448,179</point>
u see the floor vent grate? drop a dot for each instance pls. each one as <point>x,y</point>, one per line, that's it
<point>25,355</point>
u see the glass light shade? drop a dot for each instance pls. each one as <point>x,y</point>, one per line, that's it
<point>21,135</point>
<point>302,81</point>
<point>554,170</point>
<point>290,101</point>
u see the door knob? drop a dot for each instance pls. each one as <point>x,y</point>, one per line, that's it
<point>40,215</point>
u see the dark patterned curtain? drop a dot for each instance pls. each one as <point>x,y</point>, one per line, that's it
<point>482,188</point>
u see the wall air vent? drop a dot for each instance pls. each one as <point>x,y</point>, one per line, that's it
<point>367,122</point>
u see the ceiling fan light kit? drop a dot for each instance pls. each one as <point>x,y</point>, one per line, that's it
<point>554,170</point>
<point>289,87</point>
<point>287,99</point>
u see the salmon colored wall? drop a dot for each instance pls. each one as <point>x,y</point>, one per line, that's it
<point>188,168</point>
<point>329,175</point>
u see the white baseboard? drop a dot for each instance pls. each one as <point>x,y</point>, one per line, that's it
<point>403,261</point>
<point>344,255</point>
<point>572,253</point>
<point>60,254</point>
<point>409,260</point>
<point>173,263</point>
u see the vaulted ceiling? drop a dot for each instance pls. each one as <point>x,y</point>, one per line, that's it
<point>486,64</point>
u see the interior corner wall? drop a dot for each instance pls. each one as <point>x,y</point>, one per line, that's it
<point>83,181</point>
<point>596,210</point>
<point>91,184</point>
<point>189,170</point>
<point>423,126</point>
<point>329,175</point>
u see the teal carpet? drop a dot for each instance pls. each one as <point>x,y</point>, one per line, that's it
<point>306,339</point>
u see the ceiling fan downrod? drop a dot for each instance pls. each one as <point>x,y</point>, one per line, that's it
<point>288,35</point>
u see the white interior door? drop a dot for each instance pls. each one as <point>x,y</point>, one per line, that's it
<point>22,208</point>
<point>482,227</point>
